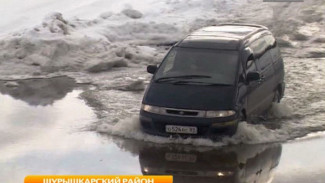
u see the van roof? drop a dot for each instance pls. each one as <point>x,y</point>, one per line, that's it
<point>224,36</point>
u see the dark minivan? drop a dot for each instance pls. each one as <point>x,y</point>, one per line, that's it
<point>213,79</point>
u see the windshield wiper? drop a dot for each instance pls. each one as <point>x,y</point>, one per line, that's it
<point>200,83</point>
<point>171,78</point>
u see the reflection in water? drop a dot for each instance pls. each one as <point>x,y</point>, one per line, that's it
<point>46,139</point>
<point>31,108</point>
<point>39,91</point>
<point>243,163</point>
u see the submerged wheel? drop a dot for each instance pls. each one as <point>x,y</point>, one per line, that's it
<point>242,116</point>
<point>276,98</point>
<point>232,131</point>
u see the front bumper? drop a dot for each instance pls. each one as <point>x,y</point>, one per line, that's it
<point>207,127</point>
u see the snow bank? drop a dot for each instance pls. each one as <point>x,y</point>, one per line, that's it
<point>126,30</point>
<point>95,45</point>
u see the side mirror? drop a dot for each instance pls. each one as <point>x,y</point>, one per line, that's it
<point>253,76</point>
<point>152,69</point>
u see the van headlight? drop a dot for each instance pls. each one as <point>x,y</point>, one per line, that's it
<point>150,108</point>
<point>207,114</point>
<point>219,114</point>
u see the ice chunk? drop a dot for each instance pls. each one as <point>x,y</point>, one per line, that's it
<point>135,86</point>
<point>132,13</point>
<point>11,84</point>
<point>55,23</point>
<point>105,66</point>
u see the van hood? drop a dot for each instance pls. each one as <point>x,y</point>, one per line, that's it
<point>195,97</point>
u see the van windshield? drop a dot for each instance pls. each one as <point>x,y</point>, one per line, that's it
<point>197,66</point>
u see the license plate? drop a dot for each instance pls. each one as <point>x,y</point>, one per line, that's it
<point>181,129</point>
<point>191,158</point>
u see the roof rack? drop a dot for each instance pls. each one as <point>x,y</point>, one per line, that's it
<point>241,24</point>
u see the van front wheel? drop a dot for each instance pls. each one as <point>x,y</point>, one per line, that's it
<point>233,129</point>
<point>276,98</point>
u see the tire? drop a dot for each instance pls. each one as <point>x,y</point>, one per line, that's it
<point>233,129</point>
<point>242,117</point>
<point>276,98</point>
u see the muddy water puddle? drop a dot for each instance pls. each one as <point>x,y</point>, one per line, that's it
<point>43,132</point>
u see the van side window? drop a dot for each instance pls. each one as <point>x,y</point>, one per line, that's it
<point>259,46</point>
<point>274,49</point>
<point>249,63</point>
<point>170,61</point>
<point>265,60</point>
<point>275,53</point>
<point>270,41</point>
<point>261,51</point>
<point>251,66</point>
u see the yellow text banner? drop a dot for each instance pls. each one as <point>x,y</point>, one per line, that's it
<point>97,179</point>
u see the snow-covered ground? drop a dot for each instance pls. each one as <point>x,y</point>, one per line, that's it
<point>108,44</point>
